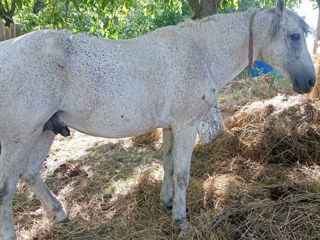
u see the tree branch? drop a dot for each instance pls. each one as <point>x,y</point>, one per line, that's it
<point>3,13</point>
<point>2,9</point>
<point>52,12</point>
<point>67,10</point>
<point>13,7</point>
<point>6,5</point>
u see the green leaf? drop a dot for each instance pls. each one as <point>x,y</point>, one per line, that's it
<point>236,4</point>
<point>103,4</point>
<point>76,4</point>
<point>19,3</point>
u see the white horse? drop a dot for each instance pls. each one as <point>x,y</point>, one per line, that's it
<point>166,79</point>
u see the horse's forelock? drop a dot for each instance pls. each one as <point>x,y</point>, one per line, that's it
<point>302,23</point>
<point>275,26</point>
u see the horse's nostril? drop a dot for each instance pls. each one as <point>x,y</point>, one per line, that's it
<point>311,82</point>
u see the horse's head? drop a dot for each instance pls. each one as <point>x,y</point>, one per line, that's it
<point>285,49</point>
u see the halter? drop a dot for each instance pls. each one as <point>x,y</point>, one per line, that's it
<point>250,55</point>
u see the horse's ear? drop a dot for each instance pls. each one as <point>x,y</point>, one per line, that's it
<point>280,8</point>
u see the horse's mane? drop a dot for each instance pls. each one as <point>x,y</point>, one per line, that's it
<point>215,17</point>
<point>275,23</point>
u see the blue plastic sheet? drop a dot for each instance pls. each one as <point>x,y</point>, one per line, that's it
<point>261,68</point>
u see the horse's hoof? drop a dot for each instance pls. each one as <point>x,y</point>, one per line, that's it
<point>66,220</point>
<point>60,217</point>
<point>182,225</point>
<point>182,234</point>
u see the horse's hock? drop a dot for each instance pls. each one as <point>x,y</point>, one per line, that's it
<point>11,32</point>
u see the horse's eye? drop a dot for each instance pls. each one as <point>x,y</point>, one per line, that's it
<point>295,36</point>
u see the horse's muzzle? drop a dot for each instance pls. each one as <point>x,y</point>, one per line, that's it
<point>304,85</point>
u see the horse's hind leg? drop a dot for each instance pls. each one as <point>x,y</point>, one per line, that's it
<point>7,189</point>
<point>35,158</point>
<point>166,190</point>
<point>51,204</point>
<point>13,152</point>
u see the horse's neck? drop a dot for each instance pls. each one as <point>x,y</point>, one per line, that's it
<point>226,38</point>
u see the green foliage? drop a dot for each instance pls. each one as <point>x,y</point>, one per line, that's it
<point>112,19</point>
<point>228,6</point>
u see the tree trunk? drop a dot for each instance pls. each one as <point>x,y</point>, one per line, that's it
<point>212,124</point>
<point>204,8</point>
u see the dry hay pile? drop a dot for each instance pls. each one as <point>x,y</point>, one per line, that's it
<point>267,164</point>
<point>281,130</point>
<point>260,179</point>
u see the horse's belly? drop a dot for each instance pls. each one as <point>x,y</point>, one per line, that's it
<point>122,104</point>
<point>122,122</point>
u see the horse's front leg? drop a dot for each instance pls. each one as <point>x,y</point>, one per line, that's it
<point>166,190</point>
<point>184,136</point>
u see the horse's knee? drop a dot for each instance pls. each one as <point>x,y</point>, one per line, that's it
<point>182,179</point>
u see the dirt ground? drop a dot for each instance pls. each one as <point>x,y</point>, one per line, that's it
<point>258,180</point>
